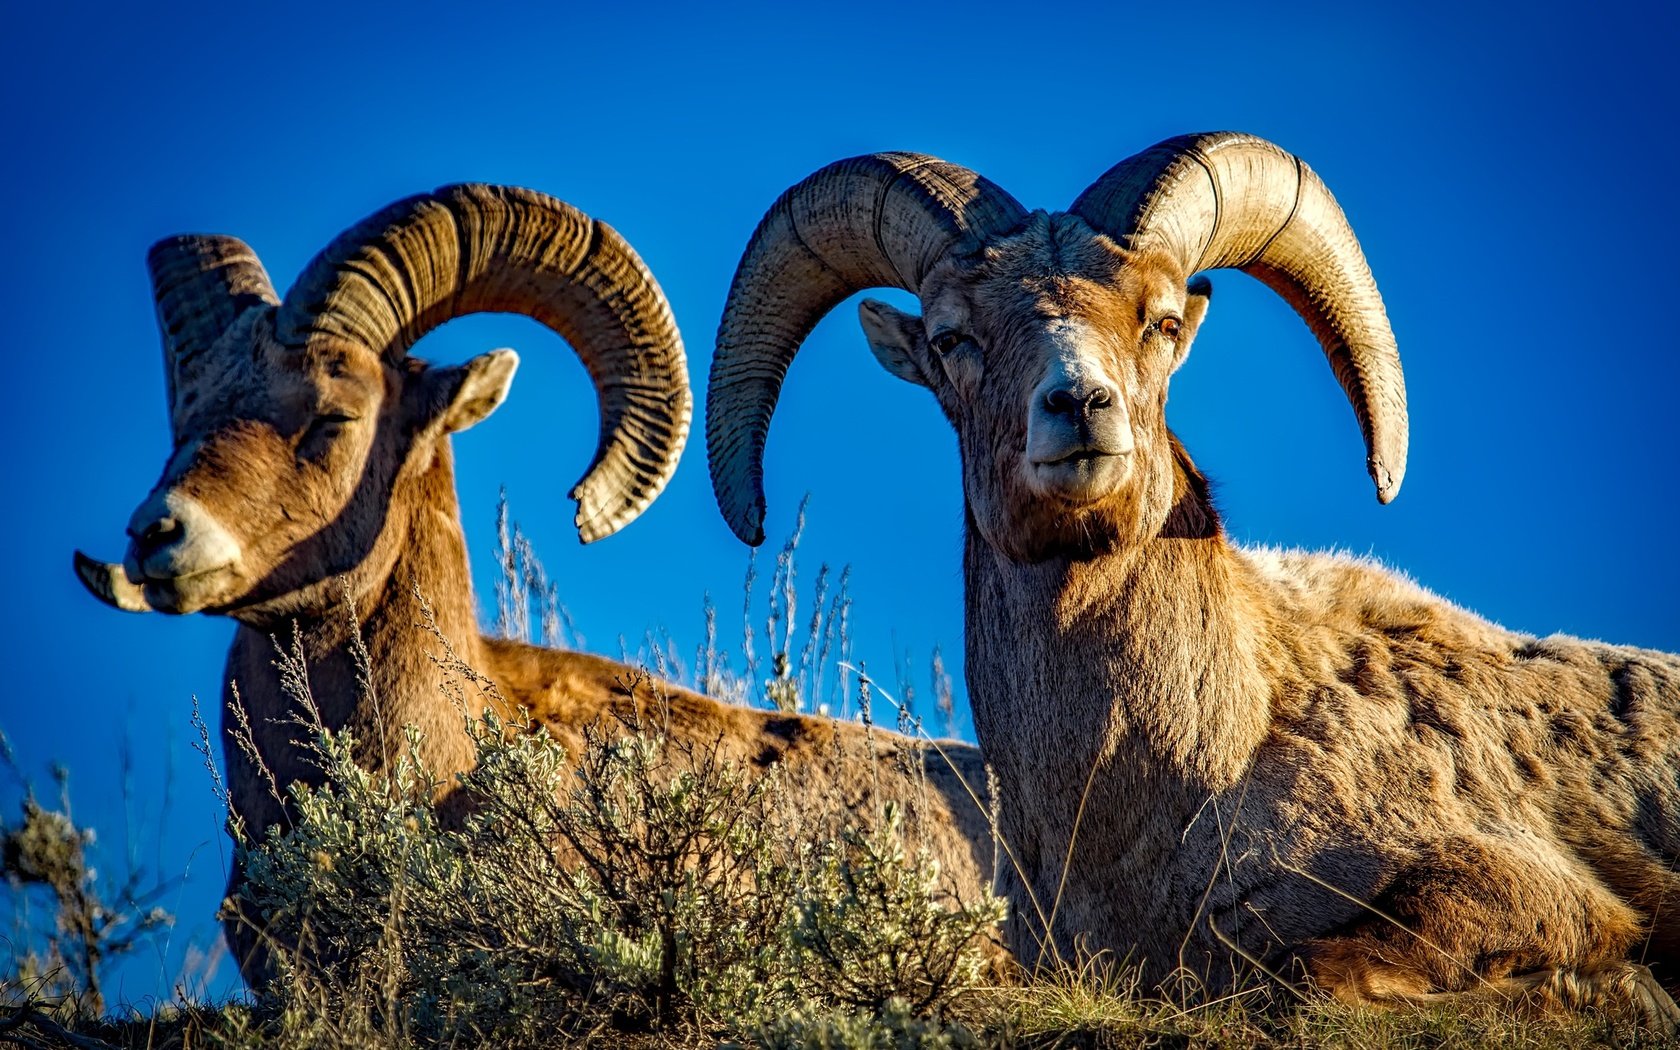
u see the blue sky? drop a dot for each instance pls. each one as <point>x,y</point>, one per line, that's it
<point>1509,176</point>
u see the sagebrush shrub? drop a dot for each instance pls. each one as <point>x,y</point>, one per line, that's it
<point>875,927</point>
<point>645,882</point>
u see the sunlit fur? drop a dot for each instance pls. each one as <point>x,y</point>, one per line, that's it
<point>1301,765</point>
<point>368,506</point>
<point>1005,300</point>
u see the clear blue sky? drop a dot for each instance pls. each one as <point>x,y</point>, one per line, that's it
<point>1511,178</point>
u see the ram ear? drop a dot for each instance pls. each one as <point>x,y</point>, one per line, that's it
<point>894,337</point>
<point>458,396</point>
<point>1198,294</point>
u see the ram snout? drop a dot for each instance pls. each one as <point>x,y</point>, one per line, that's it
<point>1079,434</point>
<point>180,559</point>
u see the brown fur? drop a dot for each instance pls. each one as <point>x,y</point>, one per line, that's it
<point>324,508</point>
<point>1269,760</point>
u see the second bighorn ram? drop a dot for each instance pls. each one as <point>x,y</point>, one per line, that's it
<point>1214,758</point>
<point>312,465</point>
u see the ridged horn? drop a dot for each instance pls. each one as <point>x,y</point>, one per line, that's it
<point>1226,199</point>
<point>473,248</point>
<point>201,283</point>
<point>880,220</point>
<point>110,584</point>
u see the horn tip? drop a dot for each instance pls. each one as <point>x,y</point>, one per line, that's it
<point>595,521</point>
<point>107,583</point>
<point>744,515</point>
<point>751,535</point>
<point>750,528</point>
<point>1388,482</point>
<point>590,524</point>
<point>87,568</point>
<point>591,531</point>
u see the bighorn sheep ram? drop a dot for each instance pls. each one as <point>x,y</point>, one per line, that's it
<point>1231,761</point>
<point>312,464</point>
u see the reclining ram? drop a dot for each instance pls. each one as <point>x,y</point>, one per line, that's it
<point>312,465</point>
<point>1216,759</point>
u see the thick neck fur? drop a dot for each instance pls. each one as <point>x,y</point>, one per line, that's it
<point>424,533</point>
<point>1155,626</point>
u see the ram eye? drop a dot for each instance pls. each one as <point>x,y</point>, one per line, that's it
<point>320,428</point>
<point>330,420</point>
<point>1169,326</point>
<point>945,342</point>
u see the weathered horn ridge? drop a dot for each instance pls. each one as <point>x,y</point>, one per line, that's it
<point>473,248</point>
<point>110,584</point>
<point>879,220</point>
<point>1226,199</point>
<point>201,283</point>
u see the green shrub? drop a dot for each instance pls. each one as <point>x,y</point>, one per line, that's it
<point>875,929</point>
<point>644,884</point>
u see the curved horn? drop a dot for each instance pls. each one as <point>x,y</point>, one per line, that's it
<point>470,248</point>
<point>201,282</point>
<point>1225,199</point>
<point>884,219</point>
<point>110,584</point>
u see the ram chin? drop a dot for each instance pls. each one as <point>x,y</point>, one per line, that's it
<point>188,594</point>
<point>1083,477</point>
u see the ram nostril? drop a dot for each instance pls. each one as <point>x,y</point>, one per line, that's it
<point>158,534</point>
<point>1061,402</point>
<point>1078,403</point>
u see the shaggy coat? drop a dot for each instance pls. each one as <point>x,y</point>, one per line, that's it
<point>311,490</point>
<point>1269,761</point>
<point>1215,763</point>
